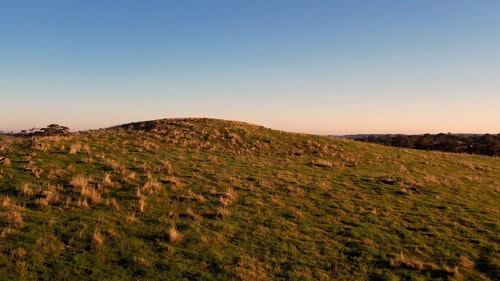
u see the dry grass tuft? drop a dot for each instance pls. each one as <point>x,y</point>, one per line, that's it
<point>51,196</point>
<point>67,202</point>
<point>42,202</point>
<point>171,180</point>
<point>117,167</point>
<point>402,261</point>
<point>75,148</point>
<point>228,198</point>
<point>224,202</point>
<point>88,160</point>
<point>431,179</point>
<point>40,146</point>
<point>5,145</point>
<point>10,213</point>
<point>369,242</point>
<point>144,167</point>
<point>86,149</point>
<point>192,214</point>
<point>451,270</point>
<point>474,178</point>
<point>80,181</point>
<point>294,191</point>
<point>83,203</point>
<point>97,237</point>
<point>130,177</point>
<point>26,189</point>
<point>22,269</point>
<point>12,218</point>
<point>223,212</point>
<point>6,231</point>
<point>298,215</point>
<point>131,218</point>
<point>18,253</point>
<point>92,194</point>
<point>142,204</point>
<point>250,269</point>
<point>466,262</point>
<point>322,163</point>
<point>231,194</point>
<point>106,181</point>
<point>198,197</point>
<point>167,167</point>
<point>216,240</point>
<point>113,204</point>
<point>5,161</point>
<point>143,262</point>
<point>174,235</point>
<point>327,164</point>
<point>138,192</point>
<point>151,186</point>
<point>6,203</point>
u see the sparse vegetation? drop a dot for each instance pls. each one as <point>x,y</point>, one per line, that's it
<point>203,199</point>
<point>50,130</point>
<point>174,235</point>
<point>473,144</point>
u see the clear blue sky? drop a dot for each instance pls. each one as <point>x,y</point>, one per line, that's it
<point>324,67</point>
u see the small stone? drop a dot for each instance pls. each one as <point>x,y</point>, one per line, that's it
<point>5,161</point>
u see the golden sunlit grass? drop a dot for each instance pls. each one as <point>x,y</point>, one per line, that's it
<point>75,148</point>
<point>91,194</point>
<point>106,181</point>
<point>26,189</point>
<point>97,237</point>
<point>117,167</point>
<point>402,260</point>
<point>173,234</point>
<point>131,218</point>
<point>151,186</point>
<point>142,201</point>
<point>10,213</point>
<point>171,180</point>
<point>202,199</point>
<point>112,203</point>
<point>50,195</point>
<point>192,214</point>
<point>198,197</point>
<point>130,177</point>
<point>222,211</point>
<point>322,163</point>
<point>80,181</point>
<point>83,203</point>
<point>167,167</point>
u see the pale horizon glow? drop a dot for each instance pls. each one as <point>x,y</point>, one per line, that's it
<point>321,67</point>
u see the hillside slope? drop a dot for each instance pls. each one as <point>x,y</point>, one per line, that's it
<point>205,199</point>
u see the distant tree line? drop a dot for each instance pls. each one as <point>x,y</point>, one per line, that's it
<point>50,130</point>
<point>472,144</point>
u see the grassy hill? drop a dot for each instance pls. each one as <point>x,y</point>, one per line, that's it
<point>204,199</point>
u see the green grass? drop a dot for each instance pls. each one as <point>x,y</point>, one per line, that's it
<point>203,199</point>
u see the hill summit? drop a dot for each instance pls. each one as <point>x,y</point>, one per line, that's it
<point>207,199</point>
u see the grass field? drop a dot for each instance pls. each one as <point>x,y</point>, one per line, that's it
<point>204,199</point>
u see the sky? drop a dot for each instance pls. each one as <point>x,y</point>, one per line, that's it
<point>321,67</point>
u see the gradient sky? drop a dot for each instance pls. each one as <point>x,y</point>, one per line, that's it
<point>323,67</point>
